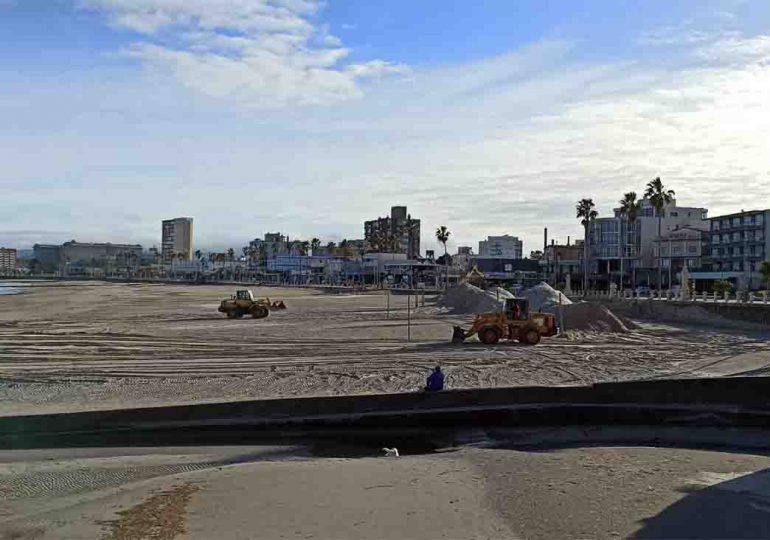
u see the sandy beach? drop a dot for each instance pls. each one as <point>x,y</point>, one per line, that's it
<point>475,493</point>
<point>76,346</point>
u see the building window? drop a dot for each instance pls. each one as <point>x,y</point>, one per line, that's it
<point>736,221</point>
<point>673,214</point>
<point>692,248</point>
<point>714,225</point>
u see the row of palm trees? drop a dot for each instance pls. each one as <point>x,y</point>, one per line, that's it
<point>658,196</point>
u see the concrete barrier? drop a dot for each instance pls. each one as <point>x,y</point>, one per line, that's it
<point>719,401</point>
<point>684,311</point>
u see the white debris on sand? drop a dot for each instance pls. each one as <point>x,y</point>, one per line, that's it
<point>466,298</point>
<point>543,295</point>
<point>588,316</point>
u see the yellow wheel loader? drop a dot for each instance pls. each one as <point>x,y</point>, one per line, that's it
<point>243,303</point>
<point>514,322</point>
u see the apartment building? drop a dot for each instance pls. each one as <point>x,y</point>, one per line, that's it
<point>611,239</point>
<point>177,239</point>
<point>501,247</point>
<point>398,233</point>
<point>7,259</point>
<point>739,242</point>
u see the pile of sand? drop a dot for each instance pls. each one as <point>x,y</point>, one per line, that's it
<point>466,298</point>
<point>587,316</point>
<point>542,296</point>
<point>499,292</point>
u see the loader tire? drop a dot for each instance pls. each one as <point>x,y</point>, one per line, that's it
<point>231,314</point>
<point>259,312</point>
<point>529,336</point>
<point>489,335</point>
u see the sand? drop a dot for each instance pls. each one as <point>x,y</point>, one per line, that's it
<point>465,298</point>
<point>587,316</point>
<point>543,296</point>
<point>247,492</point>
<point>77,346</point>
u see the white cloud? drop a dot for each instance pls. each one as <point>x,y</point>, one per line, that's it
<point>260,53</point>
<point>499,145</point>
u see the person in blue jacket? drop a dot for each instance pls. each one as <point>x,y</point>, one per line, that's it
<point>435,380</point>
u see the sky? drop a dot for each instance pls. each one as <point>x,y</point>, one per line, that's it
<point>306,117</point>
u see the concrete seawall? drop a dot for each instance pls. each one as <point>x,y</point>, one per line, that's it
<point>692,312</point>
<point>703,402</point>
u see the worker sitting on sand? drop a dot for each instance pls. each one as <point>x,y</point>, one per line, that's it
<point>435,380</point>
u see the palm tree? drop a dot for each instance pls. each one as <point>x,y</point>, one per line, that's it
<point>659,197</point>
<point>315,245</point>
<point>629,208</point>
<point>585,211</point>
<point>198,255</point>
<point>345,248</point>
<point>442,235</point>
<point>304,246</point>
<point>231,258</point>
<point>330,247</point>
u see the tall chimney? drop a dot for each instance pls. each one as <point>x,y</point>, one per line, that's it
<point>568,241</point>
<point>545,238</point>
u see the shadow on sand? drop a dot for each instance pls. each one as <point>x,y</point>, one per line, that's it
<point>736,508</point>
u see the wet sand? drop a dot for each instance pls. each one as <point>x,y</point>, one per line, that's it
<point>78,346</point>
<point>239,493</point>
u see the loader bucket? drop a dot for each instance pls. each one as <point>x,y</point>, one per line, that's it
<point>278,305</point>
<point>458,336</point>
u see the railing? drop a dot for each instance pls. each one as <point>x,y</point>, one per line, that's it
<point>746,298</point>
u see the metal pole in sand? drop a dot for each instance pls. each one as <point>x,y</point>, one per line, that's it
<point>409,317</point>
<point>561,315</point>
<point>387,304</point>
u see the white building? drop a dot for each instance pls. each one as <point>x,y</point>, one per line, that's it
<point>501,247</point>
<point>636,243</point>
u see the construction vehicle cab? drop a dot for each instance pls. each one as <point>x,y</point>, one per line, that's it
<point>517,309</point>
<point>244,294</point>
<point>513,322</point>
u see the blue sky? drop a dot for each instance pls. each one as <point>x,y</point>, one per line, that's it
<point>490,116</point>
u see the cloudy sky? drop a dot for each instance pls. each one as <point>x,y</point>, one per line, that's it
<point>488,116</point>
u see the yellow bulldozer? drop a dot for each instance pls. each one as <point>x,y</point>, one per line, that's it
<point>243,303</point>
<point>514,322</point>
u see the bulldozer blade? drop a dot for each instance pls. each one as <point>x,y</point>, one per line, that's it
<point>458,336</point>
<point>278,305</point>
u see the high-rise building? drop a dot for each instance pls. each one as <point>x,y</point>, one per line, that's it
<point>501,247</point>
<point>7,259</point>
<point>177,239</point>
<point>398,233</point>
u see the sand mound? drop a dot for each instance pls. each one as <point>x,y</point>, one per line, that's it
<point>543,295</point>
<point>465,298</point>
<point>499,292</point>
<point>588,316</point>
